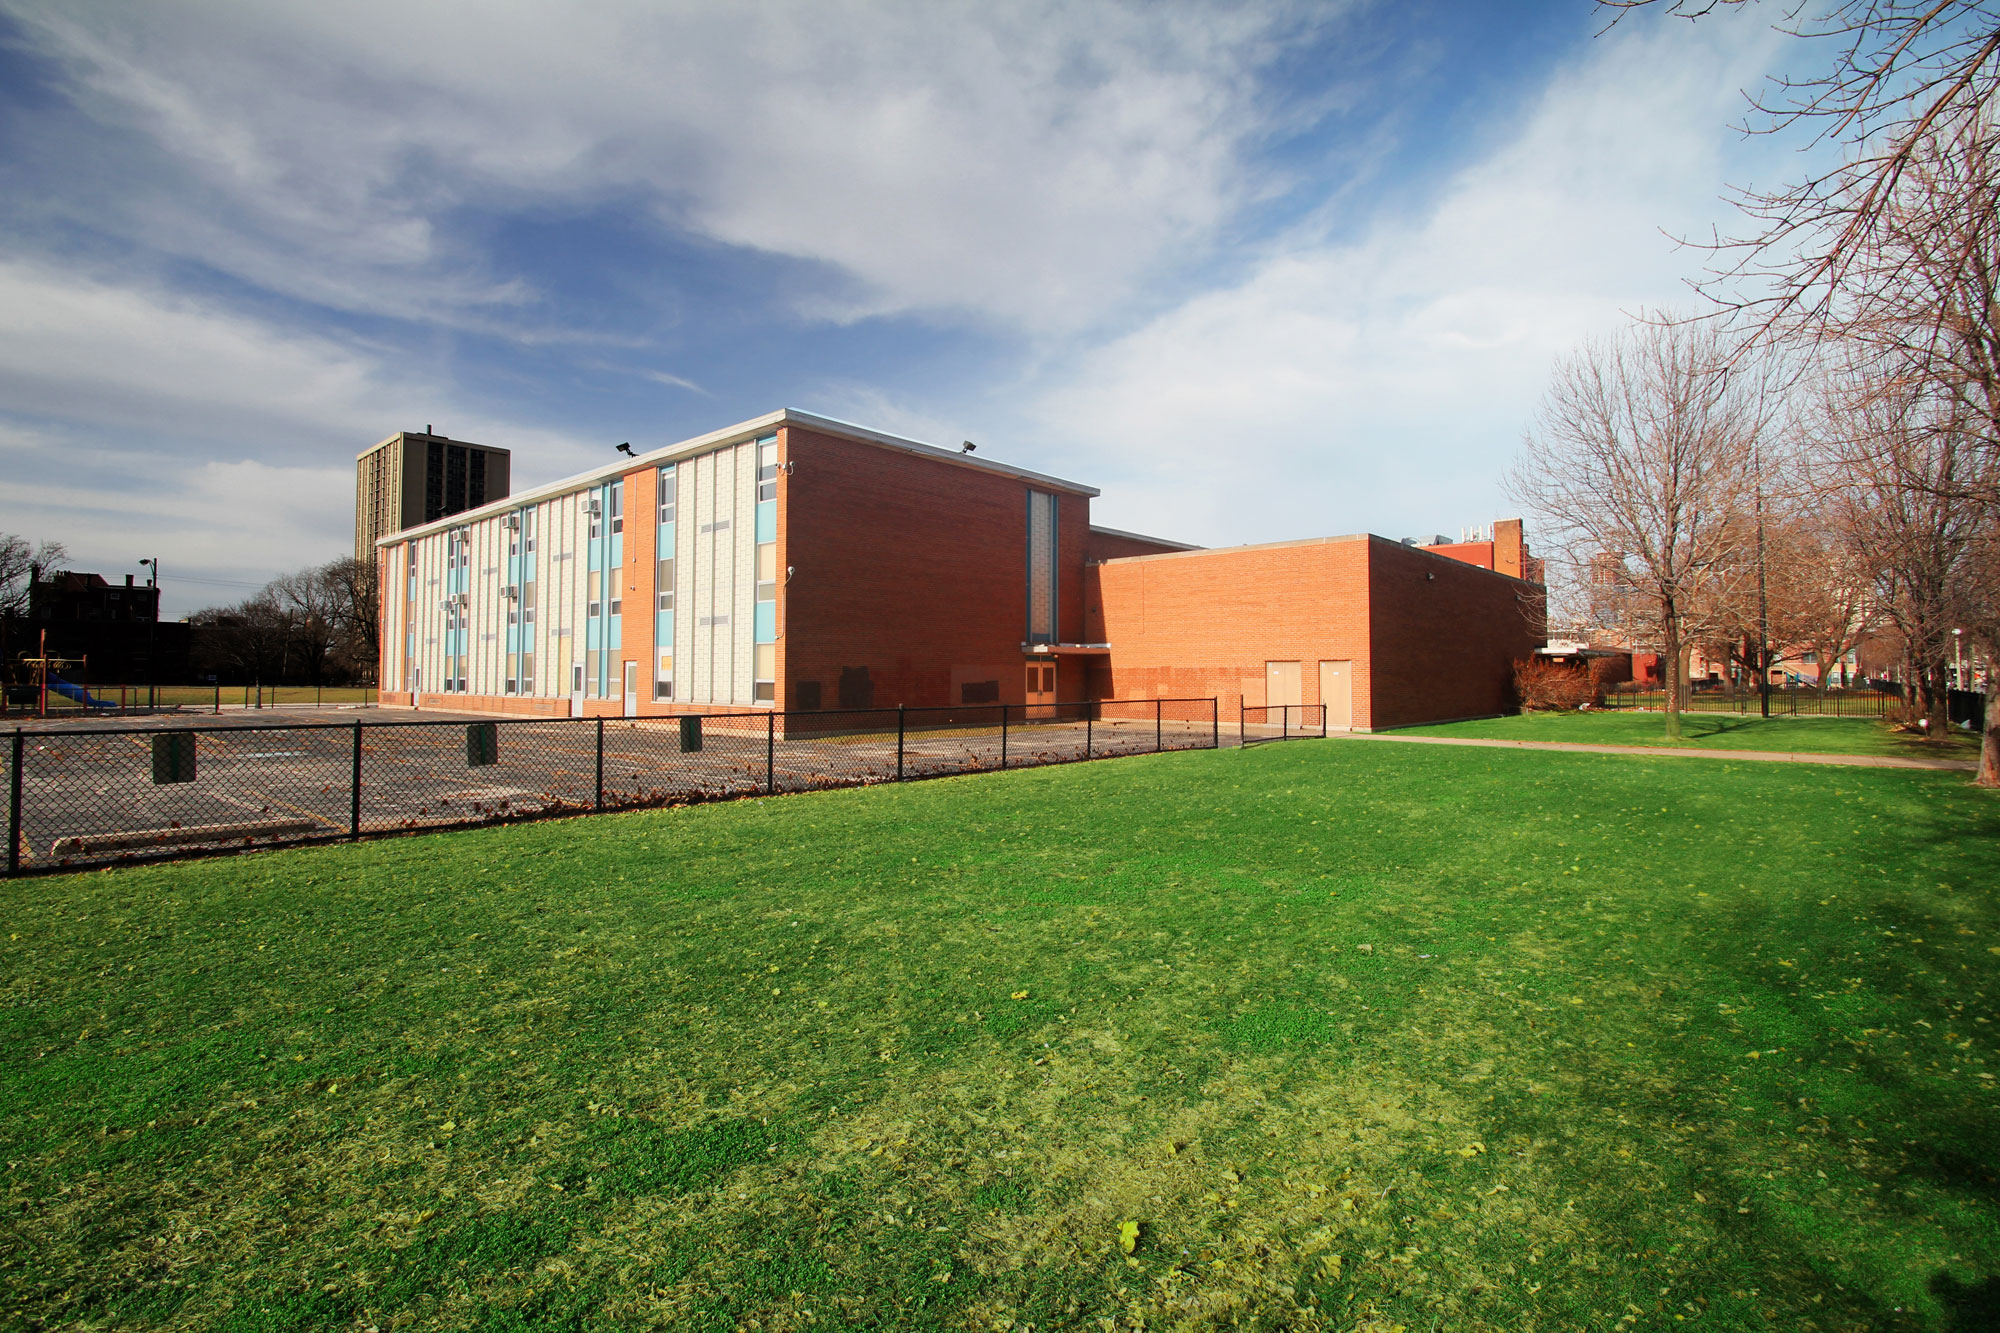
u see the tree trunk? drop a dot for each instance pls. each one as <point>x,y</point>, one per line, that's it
<point>1989,744</point>
<point>1670,667</point>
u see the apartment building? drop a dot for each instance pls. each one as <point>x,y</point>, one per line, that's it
<point>413,478</point>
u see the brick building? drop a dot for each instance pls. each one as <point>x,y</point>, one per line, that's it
<point>805,564</point>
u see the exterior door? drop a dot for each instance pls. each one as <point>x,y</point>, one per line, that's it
<point>576,690</point>
<point>1336,691</point>
<point>1041,689</point>
<point>631,689</point>
<point>1282,685</point>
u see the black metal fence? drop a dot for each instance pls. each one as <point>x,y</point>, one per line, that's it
<point>88,796</point>
<point>1797,702</point>
<point>68,698</point>
<point>1279,722</point>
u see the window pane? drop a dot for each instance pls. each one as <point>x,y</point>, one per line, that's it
<point>767,562</point>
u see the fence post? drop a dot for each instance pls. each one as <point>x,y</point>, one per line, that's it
<point>14,809</point>
<point>1322,721</point>
<point>600,763</point>
<point>1157,734</point>
<point>1284,722</point>
<point>1215,720</point>
<point>899,742</point>
<point>218,698</point>
<point>1242,725</point>
<point>1086,731</point>
<point>1003,735</point>
<point>770,753</point>
<point>354,792</point>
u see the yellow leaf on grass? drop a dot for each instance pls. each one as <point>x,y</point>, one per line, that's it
<point>1020,995</point>
<point>1128,1236</point>
<point>1472,1150</point>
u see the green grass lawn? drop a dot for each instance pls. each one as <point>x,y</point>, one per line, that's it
<point>1714,731</point>
<point>1358,1036</point>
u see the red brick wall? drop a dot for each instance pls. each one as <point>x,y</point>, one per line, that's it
<point>914,568</point>
<point>1111,546</point>
<point>1202,623</point>
<point>1445,634</point>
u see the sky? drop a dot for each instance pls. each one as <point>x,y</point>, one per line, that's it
<point>1256,271</point>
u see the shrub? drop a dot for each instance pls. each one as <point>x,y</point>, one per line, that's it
<point>1545,687</point>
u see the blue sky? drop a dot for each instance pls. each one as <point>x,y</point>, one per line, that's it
<point>1256,271</point>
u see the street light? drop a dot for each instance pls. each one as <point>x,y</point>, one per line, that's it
<point>1958,659</point>
<point>153,635</point>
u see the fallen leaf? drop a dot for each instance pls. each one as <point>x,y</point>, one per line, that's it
<point>1020,995</point>
<point>1128,1236</point>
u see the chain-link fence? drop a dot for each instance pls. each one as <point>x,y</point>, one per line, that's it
<point>84,797</point>
<point>1279,722</point>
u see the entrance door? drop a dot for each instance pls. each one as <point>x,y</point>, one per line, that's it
<point>1336,691</point>
<point>1282,685</point>
<point>576,691</point>
<point>1041,689</point>
<point>631,689</point>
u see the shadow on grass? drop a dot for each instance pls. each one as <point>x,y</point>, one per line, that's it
<point>1972,1307</point>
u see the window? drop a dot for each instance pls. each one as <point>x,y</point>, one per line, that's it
<point>527,673</point>
<point>765,688</point>
<point>664,581</point>
<point>617,598</point>
<point>576,680</point>
<point>527,603</point>
<point>767,572</point>
<point>767,469</point>
<point>663,677</point>
<point>596,594</point>
<point>596,516</point>
<point>590,672</point>
<point>669,493</point>
<point>528,531</point>
<point>618,507</point>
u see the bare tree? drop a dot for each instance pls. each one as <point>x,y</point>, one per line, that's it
<point>1900,464</point>
<point>1899,74</point>
<point>1641,468</point>
<point>357,614</point>
<point>311,607</point>
<point>18,561</point>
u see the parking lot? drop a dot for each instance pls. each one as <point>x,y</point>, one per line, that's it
<point>95,792</point>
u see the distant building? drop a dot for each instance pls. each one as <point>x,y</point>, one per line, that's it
<point>413,478</point>
<point>114,630</point>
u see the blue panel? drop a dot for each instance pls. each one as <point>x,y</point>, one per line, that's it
<point>513,638</point>
<point>663,629</point>
<point>767,520</point>
<point>593,634</point>
<point>767,622</point>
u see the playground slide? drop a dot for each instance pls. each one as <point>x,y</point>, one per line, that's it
<point>76,692</point>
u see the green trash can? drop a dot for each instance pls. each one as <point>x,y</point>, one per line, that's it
<point>482,744</point>
<point>173,757</point>
<point>690,734</point>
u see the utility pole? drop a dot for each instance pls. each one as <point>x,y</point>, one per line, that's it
<point>153,636</point>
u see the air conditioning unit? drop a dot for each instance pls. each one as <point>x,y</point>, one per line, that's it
<point>593,507</point>
<point>465,599</point>
<point>513,593</point>
<point>513,522</point>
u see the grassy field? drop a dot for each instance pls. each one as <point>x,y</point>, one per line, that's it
<point>1715,731</point>
<point>1319,1035</point>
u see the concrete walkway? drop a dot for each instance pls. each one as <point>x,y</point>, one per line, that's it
<point>1673,752</point>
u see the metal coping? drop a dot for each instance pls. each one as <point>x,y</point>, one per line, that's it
<point>740,433</point>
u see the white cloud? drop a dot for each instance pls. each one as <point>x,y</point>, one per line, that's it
<point>1383,384</point>
<point>1029,163</point>
<point>138,418</point>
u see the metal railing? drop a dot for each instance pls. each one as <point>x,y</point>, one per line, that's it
<point>79,699</point>
<point>79,797</point>
<point>1279,722</point>
<point>1795,702</point>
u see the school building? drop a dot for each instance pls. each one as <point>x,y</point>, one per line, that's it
<point>800,563</point>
